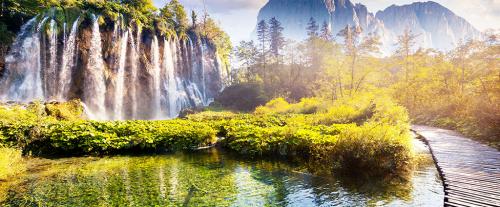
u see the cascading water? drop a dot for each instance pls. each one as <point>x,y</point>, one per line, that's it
<point>134,59</point>
<point>24,60</point>
<point>50,73</point>
<point>170,83</point>
<point>120,79</point>
<point>95,88</point>
<point>68,62</point>
<point>119,73</point>
<point>156,73</point>
<point>202,74</point>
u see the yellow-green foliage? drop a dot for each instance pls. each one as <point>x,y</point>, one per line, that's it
<point>377,147</point>
<point>281,106</point>
<point>11,163</point>
<point>278,105</point>
<point>30,128</point>
<point>71,110</point>
<point>366,133</point>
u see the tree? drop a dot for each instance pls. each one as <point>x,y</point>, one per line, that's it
<point>177,11</point>
<point>263,37</point>
<point>194,18</point>
<point>277,41</point>
<point>141,5</point>
<point>312,28</point>
<point>326,32</point>
<point>355,49</point>
<point>247,53</point>
<point>405,44</point>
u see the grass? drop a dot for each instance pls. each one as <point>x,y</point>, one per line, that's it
<point>11,163</point>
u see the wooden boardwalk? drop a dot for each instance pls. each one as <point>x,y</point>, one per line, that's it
<point>470,170</point>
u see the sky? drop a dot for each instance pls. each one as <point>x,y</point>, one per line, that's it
<point>239,17</point>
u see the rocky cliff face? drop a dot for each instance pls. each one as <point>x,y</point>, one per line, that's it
<point>118,70</point>
<point>437,26</point>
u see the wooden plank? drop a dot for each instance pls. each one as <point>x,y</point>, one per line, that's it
<point>474,195</point>
<point>473,188</point>
<point>479,179</point>
<point>465,181</point>
<point>461,203</point>
<point>470,200</point>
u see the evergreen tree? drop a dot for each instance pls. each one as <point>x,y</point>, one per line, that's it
<point>263,37</point>
<point>194,18</point>
<point>326,32</point>
<point>312,28</point>
<point>277,41</point>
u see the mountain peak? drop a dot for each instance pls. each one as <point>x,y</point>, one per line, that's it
<point>437,26</point>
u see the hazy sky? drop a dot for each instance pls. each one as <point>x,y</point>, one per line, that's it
<point>239,17</point>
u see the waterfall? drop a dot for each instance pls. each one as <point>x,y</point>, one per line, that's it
<point>202,73</point>
<point>156,72</point>
<point>170,84</point>
<point>110,70</point>
<point>23,60</point>
<point>95,87</point>
<point>134,69</point>
<point>120,79</point>
<point>68,62</point>
<point>50,73</point>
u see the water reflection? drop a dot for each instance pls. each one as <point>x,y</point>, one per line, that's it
<point>210,178</point>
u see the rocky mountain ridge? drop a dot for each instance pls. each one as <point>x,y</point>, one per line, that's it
<point>436,26</point>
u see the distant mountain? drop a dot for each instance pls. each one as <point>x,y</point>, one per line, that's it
<point>437,26</point>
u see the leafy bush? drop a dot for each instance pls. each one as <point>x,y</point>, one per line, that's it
<point>105,137</point>
<point>31,129</point>
<point>358,134</point>
<point>374,147</point>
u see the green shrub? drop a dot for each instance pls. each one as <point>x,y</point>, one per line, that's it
<point>374,148</point>
<point>84,137</point>
<point>32,130</point>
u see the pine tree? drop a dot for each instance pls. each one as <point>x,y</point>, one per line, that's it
<point>276,37</point>
<point>263,37</point>
<point>194,18</point>
<point>312,28</point>
<point>326,32</point>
